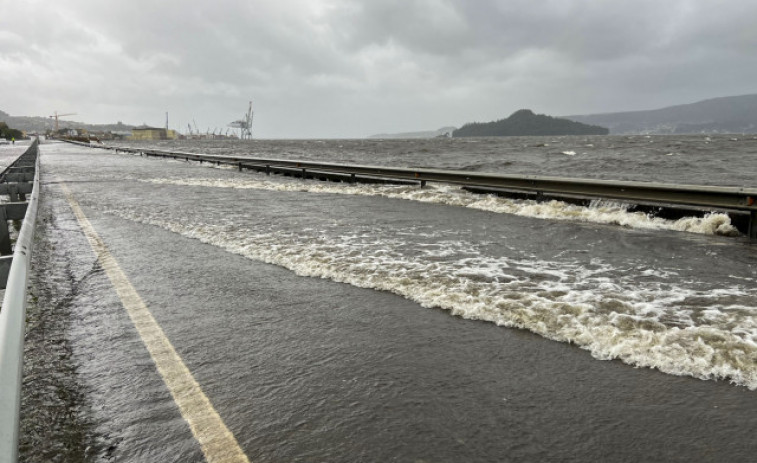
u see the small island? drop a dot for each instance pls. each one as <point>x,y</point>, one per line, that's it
<point>524,122</point>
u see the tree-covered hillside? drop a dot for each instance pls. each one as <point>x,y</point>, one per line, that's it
<point>525,122</point>
<point>731,114</point>
<point>42,124</point>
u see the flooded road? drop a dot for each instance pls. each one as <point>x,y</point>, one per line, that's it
<point>342,326</point>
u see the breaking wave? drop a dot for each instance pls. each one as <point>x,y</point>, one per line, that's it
<point>664,323</point>
<point>601,212</point>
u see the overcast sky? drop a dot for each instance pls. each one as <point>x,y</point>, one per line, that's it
<point>338,68</point>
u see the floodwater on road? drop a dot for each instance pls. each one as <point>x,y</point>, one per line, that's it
<point>330,322</point>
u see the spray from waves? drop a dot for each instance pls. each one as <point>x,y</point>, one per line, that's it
<point>601,213</point>
<point>675,327</point>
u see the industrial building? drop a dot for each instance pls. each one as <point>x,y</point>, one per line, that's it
<point>145,132</point>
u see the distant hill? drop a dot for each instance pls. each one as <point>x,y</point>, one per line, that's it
<point>732,114</point>
<point>41,124</point>
<point>525,122</point>
<point>443,132</point>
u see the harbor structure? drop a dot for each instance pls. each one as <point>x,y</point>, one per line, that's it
<point>145,132</point>
<point>244,125</point>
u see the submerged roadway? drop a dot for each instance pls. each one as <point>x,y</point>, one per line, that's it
<point>148,345</point>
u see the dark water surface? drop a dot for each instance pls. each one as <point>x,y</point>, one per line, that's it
<point>330,322</point>
<point>688,159</point>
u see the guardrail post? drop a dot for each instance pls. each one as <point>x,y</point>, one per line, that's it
<point>5,237</point>
<point>268,170</point>
<point>5,269</point>
<point>13,192</point>
<point>753,225</point>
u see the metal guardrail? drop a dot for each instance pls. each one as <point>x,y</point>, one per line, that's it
<point>734,200</point>
<point>13,311</point>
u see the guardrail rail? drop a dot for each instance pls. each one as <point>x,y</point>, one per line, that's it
<point>739,203</point>
<point>17,181</point>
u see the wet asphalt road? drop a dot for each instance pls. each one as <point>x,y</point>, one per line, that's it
<point>305,369</point>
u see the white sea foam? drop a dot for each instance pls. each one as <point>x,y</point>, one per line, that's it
<point>600,212</point>
<point>667,324</point>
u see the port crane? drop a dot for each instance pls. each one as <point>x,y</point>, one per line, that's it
<point>244,125</point>
<point>56,116</point>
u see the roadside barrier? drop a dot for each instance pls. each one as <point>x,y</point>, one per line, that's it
<point>17,181</point>
<point>739,203</point>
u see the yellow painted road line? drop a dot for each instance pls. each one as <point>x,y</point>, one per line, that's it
<point>218,443</point>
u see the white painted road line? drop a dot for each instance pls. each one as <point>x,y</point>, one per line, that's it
<point>218,443</point>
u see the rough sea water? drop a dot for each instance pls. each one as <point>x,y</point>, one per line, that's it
<point>425,328</point>
<point>725,160</point>
<point>687,309</point>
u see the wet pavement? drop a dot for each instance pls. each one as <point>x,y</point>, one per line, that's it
<point>310,369</point>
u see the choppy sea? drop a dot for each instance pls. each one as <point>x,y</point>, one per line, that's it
<point>674,295</point>
<point>344,322</point>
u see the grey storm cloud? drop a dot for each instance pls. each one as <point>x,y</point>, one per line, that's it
<point>338,68</point>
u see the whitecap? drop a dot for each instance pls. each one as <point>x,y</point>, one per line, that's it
<point>653,325</point>
<point>600,212</point>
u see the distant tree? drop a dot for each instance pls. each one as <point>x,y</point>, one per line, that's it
<point>525,122</point>
<point>8,133</point>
